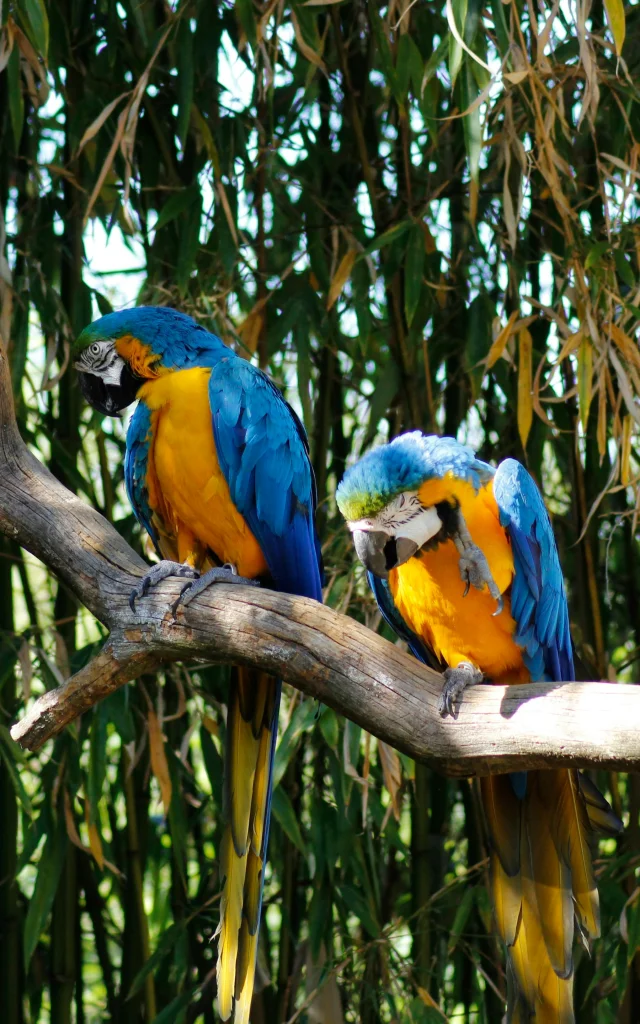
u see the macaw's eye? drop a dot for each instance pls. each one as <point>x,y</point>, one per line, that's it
<point>95,348</point>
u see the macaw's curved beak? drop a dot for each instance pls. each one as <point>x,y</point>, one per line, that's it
<point>109,398</point>
<point>379,552</point>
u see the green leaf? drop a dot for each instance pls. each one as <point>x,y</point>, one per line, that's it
<point>247,19</point>
<point>459,8</point>
<point>16,101</point>
<point>301,719</point>
<point>284,813</point>
<point>185,78</point>
<point>167,941</point>
<point>97,760</point>
<point>49,870</point>
<point>397,231</point>
<point>356,904</point>
<point>623,266</point>
<point>462,916</point>
<point>174,1012</point>
<point>479,317</point>
<point>471,124</point>
<point>330,728</point>
<point>413,271</point>
<point>11,756</point>
<point>33,15</point>
<point>502,29</point>
<point>595,254</point>
<point>177,204</point>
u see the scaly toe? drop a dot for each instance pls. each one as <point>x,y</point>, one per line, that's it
<point>219,574</point>
<point>162,571</point>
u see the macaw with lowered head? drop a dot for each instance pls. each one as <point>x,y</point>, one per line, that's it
<point>217,470</point>
<point>463,563</point>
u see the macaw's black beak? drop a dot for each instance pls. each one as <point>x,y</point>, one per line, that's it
<point>379,552</point>
<point>110,398</point>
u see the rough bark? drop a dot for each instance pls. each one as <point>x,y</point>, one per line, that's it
<point>324,654</point>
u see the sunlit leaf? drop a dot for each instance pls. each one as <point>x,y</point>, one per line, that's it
<point>525,382</point>
<point>616,19</point>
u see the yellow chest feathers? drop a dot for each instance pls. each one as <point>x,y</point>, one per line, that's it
<point>428,590</point>
<point>187,490</point>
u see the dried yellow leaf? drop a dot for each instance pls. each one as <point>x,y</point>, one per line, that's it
<point>615,17</point>
<point>392,775</point>
<point>159,765</point>
<point>602,414</point>
<point>585,380</point>
<point>515,77</point>
<point>341,277</point>
<point>525,380</point>
<point>95,842</point>
<point>500,342</point>
<point>625,455</point>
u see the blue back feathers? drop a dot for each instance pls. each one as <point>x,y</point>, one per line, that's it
<point>538,600</point>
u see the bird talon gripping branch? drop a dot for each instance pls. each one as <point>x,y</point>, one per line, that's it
<point>164,570</point>
<point>456,681</point>
<point>219,574</point>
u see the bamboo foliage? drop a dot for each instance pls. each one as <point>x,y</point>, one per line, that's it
<point>412,215</point>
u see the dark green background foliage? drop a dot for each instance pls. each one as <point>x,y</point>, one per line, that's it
<point>345,192</point>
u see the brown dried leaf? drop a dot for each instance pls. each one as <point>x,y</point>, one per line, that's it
<point>625,451</point>
<point>392,774</point>
<point>341,277</point>
<point>159,765</point>
<point>501,340</point>
<point>525,380</point>
<point>602,414</point>
<point>96,125</point>
<point>95,842</point>
<point>585,380</point>
<point>306,50</point>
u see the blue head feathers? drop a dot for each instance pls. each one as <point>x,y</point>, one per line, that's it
<point>403,465</point>
<point>177,340</point>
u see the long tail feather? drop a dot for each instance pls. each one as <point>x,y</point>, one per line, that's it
<point>252,724</point>
<point>542,881</point>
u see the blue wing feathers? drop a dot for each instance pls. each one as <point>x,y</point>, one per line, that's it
<point>135,467</point>
<point>263,454</point>
<point>538,600</point>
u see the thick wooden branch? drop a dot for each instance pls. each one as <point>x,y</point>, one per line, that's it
<point>324,654</point>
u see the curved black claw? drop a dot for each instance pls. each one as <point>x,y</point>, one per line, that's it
<point>162,571</point>
<point>220,574</point>
<point>456,681</point>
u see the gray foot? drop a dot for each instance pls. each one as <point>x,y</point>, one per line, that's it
<point>475,572</point>
<point>456,681</point>
<point>162,571</point>
<point>220,574</point>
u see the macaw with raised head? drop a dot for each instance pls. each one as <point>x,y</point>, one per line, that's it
<point>217,470</point>
<point>463,563</point>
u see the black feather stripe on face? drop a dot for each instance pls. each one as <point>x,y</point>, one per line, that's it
<point>448,514</point>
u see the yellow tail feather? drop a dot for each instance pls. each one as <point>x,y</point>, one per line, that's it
<point>542,879</point>
<point>251,720</point>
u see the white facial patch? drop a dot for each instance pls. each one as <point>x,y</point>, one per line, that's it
<point>101,359</point>
<point>405,516</point>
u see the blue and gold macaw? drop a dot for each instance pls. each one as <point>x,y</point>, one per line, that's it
<point>217,470</point>
<point>462,560</point>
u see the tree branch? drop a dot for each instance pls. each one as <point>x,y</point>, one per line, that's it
<point>326,655</point>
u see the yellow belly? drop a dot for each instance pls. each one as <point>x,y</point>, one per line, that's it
<point>428,590</point>
<point>187,490</point>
